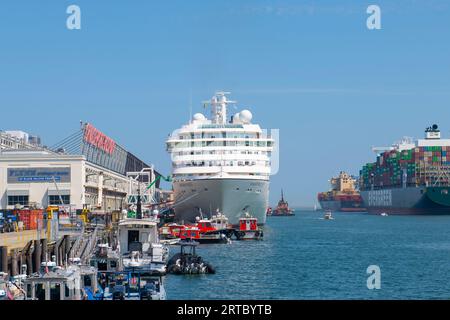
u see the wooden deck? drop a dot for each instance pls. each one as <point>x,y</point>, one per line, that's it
<point>18,240</point>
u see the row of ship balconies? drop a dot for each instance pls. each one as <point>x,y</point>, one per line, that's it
<point>220,163</point>
<point>222,157</point>
<point>250,169</point>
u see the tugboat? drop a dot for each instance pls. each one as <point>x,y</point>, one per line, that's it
<point>214,230</point>
<point>171,231</point>
<point>221,223</point>
<point>248,229</point>
<point>209,234</point>
<point>187,262</point>
<point>283,210</point>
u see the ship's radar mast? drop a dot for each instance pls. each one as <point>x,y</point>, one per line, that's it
<point>219,104</point>
<point>433,133</point>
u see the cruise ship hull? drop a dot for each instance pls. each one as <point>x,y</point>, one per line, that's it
<point>230,196</point>
<point>419,201</point>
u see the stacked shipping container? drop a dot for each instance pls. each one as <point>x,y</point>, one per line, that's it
<point>422,166</point>
<point>30,218</point>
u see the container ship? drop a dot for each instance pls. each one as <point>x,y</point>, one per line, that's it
<point>221,163</point>
<point>411,177</point>
<point>343,195</point>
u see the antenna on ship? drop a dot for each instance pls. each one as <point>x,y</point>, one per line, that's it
<point>190,106</point>
<point>219,104</point>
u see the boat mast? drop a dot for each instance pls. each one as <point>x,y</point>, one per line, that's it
<point>219,104</point>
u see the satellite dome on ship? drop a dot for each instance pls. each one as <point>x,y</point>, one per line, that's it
<point>199,117</point>
<point>245,116</point>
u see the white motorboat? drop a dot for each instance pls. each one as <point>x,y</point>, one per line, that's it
<point>140,248</point>
<point>328,216</point>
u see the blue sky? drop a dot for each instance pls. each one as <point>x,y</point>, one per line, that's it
<point>310,68</point>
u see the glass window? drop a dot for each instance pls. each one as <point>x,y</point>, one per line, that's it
<point>55,291</point>
<point>67,291</point>
<point>39,291</point>
<point>29,289</point>
<point>55,200</point>
<point>22,200</point>
<point>87,282</point>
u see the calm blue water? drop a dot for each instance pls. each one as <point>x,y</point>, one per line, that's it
<point>304,257</point>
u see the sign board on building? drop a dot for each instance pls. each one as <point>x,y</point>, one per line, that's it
<point>96,138</point>
<point>30,175</point>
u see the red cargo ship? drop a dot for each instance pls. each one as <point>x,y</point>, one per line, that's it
<point>343,195</point>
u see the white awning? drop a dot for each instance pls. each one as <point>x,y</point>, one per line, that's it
<point>17,192</point>
<point>60,192</point>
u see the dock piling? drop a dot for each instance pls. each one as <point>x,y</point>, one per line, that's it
<point>4,259</point>
<point>14,266</point>
<point>44,250</point>
<point>37,252</point>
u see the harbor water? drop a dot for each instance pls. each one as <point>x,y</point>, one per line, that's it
<point>306,257</point>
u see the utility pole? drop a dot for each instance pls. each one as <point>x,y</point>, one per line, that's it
<point>139,204</point>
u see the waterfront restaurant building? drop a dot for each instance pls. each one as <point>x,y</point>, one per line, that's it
<point>86,170</point>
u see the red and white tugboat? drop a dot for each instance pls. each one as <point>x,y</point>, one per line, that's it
<point>208,230</point>
<point>171,231</point>
<point>190,233</point>
<point>248,229</point>
<point>209,233</point>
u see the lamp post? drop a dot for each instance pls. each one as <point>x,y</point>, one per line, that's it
<point>104,197</point>
<point>139,204</point>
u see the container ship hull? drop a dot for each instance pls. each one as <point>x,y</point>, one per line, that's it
<point>408,201</point>
<point>231,196</point>
<point>342,206</point>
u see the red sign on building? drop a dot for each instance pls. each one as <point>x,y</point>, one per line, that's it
<point>96,138</point>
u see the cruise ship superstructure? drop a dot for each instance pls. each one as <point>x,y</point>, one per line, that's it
<point>221,164</point>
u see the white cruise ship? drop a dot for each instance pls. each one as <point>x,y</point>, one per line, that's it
<point>221,164</point>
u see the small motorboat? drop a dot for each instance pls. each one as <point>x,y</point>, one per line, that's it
<point>328,216</point>
<point>131,286</point>
<point>140,248</point>
<point>187,262</point>
<point>248,229</point>
<point>384,214</point>
<point>105,259</point>
<point>152,289</point>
